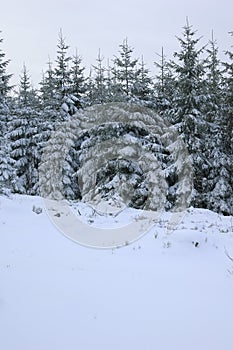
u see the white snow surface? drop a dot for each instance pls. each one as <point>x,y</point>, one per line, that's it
<point>165,291</point>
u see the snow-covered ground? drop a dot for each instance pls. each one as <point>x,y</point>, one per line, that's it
<point>165,291</point>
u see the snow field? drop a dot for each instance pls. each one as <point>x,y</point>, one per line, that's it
<point>161,292</point>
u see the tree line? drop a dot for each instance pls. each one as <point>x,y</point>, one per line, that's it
<point>193,91</point>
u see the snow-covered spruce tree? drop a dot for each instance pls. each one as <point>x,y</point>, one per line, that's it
<point>5,88</point>
<point>216,177</point>
<point>49,114</point>
<point>113,90</point>
<point>213,82</point>
<point>125,72</point>
<point>6,163</point>
<point>7,170</point>
<point>22,135</point>
<point>228,101</point>
<point>142,91</point>
<point>97,85</point>
<point>188,101</point>
<point>48,97</point>
<point>69,176</point>
<point>65,98</point>
<point>57,170</point>
<point>227,126</point>
<point>69,90</point>
<point>78,81</point>
<point>24,88</point>
<point>164,88</point>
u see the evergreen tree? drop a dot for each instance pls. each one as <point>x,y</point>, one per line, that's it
<point>228,101</point>
<point>189,72</point>
<point>213,81</point>
<point>98,82</point>
<point>22,135</point>
<point>124,70</point>
<point>188,102</point>
<point>6,169</point>
<point>227,131</point>
<point>215,173</point>
<point>114,91</point>
<point>63,83</point>
<point>5,88</point>
<point>27,95</point>
<point>47,86</point>
<point>142,88</point>
<point>24,88</point>
<point>164,85</point>
<point>78,80</point>
<point>48,96</point>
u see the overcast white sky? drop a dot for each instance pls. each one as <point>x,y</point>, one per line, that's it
<point>30,28</point>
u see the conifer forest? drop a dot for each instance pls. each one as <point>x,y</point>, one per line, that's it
<point>192,92</point>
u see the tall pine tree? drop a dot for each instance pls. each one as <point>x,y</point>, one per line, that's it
<point>124,71</point>
<point>6,163</point>
<point>187,111</point>
<point>78,81</point>
<point>22,135</point>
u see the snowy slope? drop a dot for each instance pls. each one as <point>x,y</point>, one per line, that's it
<point>162,292</point>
